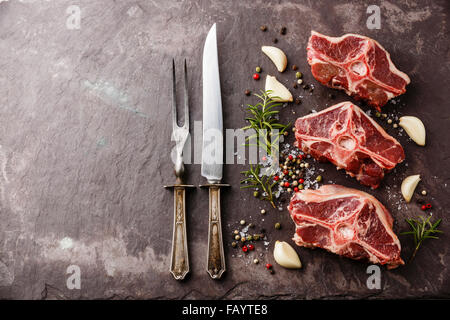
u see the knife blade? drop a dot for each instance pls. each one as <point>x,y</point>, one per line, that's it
<point>212,152</point>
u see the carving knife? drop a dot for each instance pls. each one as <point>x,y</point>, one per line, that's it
<point>212,152</point>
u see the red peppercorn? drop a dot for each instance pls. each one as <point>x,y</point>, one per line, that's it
<point>290,157</point>
<point>300,156</point>
<point>276,178</point>
<point>428,205</point>
<point>244,248</point>
<point>268,266</point>
<point>251,247</point>
<point>286,184</point>
<point>256,76</point>
<point>424,207</point>
<point>285,172</point>
<point>301,180</point>
<point>296,189</point>
<point>264,158</point>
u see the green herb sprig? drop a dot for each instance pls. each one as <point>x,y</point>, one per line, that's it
<point>262,119</point>
<point>422,228</point>
<point>263,182</point>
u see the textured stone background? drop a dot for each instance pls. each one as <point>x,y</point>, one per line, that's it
<point>85,139</point>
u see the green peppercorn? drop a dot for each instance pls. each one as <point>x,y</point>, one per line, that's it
<point>234,244</point>
<point>298,74</point>
<point>277,226</point>
<point>256,194</point>
<point>300,186</point>
<point>258,69</point>
<point>255,237</point>
<point>249,238</point>
<point>319,178</point>
<point>377,114</point>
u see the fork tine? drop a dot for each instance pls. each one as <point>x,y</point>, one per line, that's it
<point>186,98</point>
<point>174,98</point>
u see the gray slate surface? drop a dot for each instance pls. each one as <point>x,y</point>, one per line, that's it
<point>85,139</point>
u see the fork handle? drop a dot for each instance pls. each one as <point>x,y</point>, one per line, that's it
<point>179,265</point>
<point>216,258</point>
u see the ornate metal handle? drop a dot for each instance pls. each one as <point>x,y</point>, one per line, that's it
<point>179,264</point>
<point>216,257</point>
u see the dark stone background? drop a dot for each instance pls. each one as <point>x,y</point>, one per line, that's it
<point>85,139</point>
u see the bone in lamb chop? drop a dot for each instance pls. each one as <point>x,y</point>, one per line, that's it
<point>347,222</point>
<point>344,135</point>
<point>356,64</point>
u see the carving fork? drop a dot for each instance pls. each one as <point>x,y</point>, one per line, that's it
<point>179,261</point>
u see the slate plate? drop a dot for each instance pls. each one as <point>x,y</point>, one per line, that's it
<point>85,139</point>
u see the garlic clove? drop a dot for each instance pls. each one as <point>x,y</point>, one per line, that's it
<point>409,185</point>
<point>277,56</point>
<point>286,256</point>
<point>414,128</point>
<point>278,92</point>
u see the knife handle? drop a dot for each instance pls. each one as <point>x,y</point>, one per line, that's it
<point>216,258</point>
<point>179,264</point>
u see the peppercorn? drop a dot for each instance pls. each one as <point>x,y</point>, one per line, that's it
<point>242,222</point>
<point>424,192</point>
<point>299,81</point>
<point>424,207</point>
<point>256,194</point>
<point>294,67</point>
<point>298,74</point>
<point>283,30</point>
<point>263,28</point>
<point>428,205</point>
<point>300,186</point>
<point>277,226</point>
<point>319,178</point>
<point>286,133</point>
<point>244,248</point>
<point>256,76</point>
<point>247,92</point>
<point>237,237</point>
<point>389,121</point>
<point>296,189</point>
<point>234,244</point>
<point>236,232</point>
<point>276,178</point>
<point>268,266</point>
<point>395,125</point>
<point>377,114</point>
<point>263,211</point>
<point>255,237</point>
<point>250,247</point>
<point>258,69</point>
<point>307,165</point>
<point>286,184</point>
<point>301,180</point>
<point>255,261</point>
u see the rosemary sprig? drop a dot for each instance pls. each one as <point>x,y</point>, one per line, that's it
<point>262,118</point>
<point>422,229</point>
<point>255,180</point>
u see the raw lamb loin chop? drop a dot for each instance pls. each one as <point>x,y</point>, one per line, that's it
<point>356,64</point>
<point>344,135</point>
<point>347,222</point>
